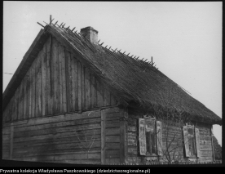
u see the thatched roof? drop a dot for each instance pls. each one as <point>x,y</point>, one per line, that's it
<point>134,80</point>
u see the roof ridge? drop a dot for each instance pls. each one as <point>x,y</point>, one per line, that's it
<point>134,79</point>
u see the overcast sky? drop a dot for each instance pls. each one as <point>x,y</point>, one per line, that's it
<point>184,38</point>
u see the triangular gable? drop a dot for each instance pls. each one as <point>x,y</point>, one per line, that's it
<point>55,82</point>
<point>128,78</point>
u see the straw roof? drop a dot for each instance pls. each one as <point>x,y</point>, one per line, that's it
<point>135,81</point>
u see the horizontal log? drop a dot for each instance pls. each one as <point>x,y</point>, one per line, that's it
<point>6,145</point>
<point>58,124</point>
<point>111,110</point>
<point>5,134</point>
<point>53,152</point>
<point>207,146</point>
<point>78,156</point>
<point>204,142</point>
<point>205,159</point>
<point>206,138</point>
<point>172,128</point>
<point>111,139</point>
<point>208,149</point>
<point>66,140</point>
<point>205,153</point>
<point>113,116</point>
<point>112,146</point>
<point>112,161</point>
<point>59,118</point>
<point>87,161</point>
<point>132,122</point>
<point>112,131</point>
<point>132,151</point>
<point>66,156</point>
<point>112,153</point>
<point>56,136</point>
<point>62,146</point>
<point>112,124</point>
<point>132,142</point>
<point>172,138</point>
<point>132,129</point>
<point>57,130</point>
<point>132,159</point>
<point>131,135</point>
<point>5,148</point>
<point>179,132</point>
<point>204,133</point>
<point>5,139</point>
<point>5,157</point>
<point>6,126</point>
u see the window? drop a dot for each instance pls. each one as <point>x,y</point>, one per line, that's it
<point>191,141</point>
<point>150,137</point>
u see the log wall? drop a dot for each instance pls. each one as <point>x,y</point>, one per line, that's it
<point>56,83</point>
<point>70,138</point>
<point>113,136</point>
<point>172,138</point>
<point>206,148</point>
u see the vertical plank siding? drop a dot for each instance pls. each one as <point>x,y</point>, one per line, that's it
<point>45,107</point>
<point>56,83</point>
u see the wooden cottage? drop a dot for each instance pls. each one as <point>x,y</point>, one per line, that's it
<point>71,100</point>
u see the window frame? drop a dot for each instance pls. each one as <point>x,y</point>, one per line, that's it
<point>152,132</point>
<point>192,141</point>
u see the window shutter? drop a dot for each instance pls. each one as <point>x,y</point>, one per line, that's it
<point>159,137</point>
<point>197,141</point>
<point>186,143</point>
<point>142,137</point>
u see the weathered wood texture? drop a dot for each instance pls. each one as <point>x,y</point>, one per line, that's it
<point>56,83</point>
<point>74,138</point>
<point>132,140</point>
<point>112,136</point>
<point>172,138</point>
<point>6,142</point>
<point>206,151</point>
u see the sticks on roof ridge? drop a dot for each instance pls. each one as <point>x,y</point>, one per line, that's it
<point>45,22</point>
<point>109,47</point>
<point>56,22</point>
<point>60,24</point>
<point>40,24</point>
<point>73,29</point>
<point>128,54</point>
<point>124,52</point>
<point>101,43</point>
<point>50,20</point>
